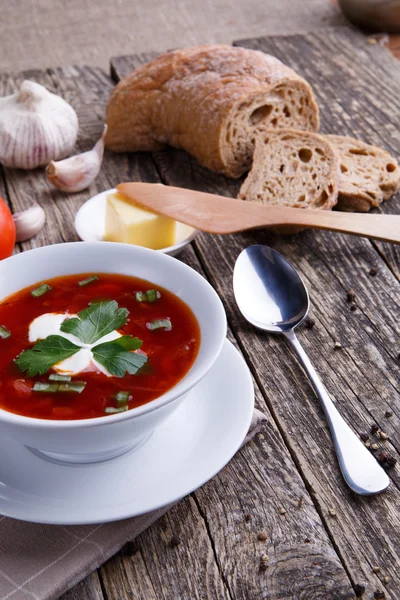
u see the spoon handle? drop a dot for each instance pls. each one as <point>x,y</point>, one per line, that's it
<point>359,468</point>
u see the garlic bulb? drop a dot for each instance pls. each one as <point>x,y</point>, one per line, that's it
<point>29,222</point>
<point>77,172</point>
<point>36,127</point>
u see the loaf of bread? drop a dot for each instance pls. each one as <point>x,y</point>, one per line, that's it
<point>368,176</point>
<point>212,101</point>
<point>293,168</point>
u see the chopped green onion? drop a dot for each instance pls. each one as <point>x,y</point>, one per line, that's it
<point>149,296</point>
<point>160,324</point>
<point>42,289</point>
<point>122,397</point>
<point>110,410</point>
<point>88,280</point>
<point>41,386</point>
<point>152,295</point>
<point>4,333</point>
<point>72,386</point>
<point>57,377</point>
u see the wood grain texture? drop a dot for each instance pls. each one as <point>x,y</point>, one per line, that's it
<point>88,589</point>
<point>219,553</point>
<point>260,481</point>
<point>363,376</point>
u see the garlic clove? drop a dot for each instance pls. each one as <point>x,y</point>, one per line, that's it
<point>76,173</point>
<point>36,127</point>
<point>29,222</point>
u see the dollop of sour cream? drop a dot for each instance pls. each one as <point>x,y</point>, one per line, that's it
<point>50,324</point>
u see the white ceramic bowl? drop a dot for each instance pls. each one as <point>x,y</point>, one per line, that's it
<point>102,438</point>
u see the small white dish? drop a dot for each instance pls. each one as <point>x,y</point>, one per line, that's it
<point>194,444</point>
<point>90,220</point>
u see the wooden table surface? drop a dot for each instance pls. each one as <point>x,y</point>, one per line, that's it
<point>278,522</point>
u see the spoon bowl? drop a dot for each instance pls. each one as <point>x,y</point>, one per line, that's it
<point>269,292</point>
<point>272,296</point>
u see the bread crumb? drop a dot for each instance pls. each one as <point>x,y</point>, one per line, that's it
<point>174,542</point>
<point>264,562</point>
<point>309,322</point>
<point>359,590</point>
<point>376,569</point>
<point>351,295</point>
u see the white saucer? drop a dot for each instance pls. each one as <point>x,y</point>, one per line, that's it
<point>90,222</point>
<point>199,438</point>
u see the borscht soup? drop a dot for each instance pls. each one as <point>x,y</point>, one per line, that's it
<point>92,345</point>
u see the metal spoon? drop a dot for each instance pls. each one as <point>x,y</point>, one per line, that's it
<point>271,295</point>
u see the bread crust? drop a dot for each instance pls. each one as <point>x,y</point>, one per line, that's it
<point>210,100</point>
<point>369,174</point>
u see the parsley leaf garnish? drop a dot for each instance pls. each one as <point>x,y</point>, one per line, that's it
<point>117,356</point>
<point>46,353</point>
<point>96,321</point>
<point>92,324</point>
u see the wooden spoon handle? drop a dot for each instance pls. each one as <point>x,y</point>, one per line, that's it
<point>380,227</point>
<point>218,214</point>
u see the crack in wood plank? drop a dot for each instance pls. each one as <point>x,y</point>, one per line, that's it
<point>214,549</point>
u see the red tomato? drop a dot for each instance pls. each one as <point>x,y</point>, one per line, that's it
<point>7,231</point>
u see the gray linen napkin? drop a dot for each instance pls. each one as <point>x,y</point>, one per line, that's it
<point>44,561</point>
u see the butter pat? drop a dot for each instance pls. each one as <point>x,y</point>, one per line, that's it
<point>133,225</point>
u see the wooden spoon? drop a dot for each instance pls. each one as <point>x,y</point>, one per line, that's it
<point>218,214</point>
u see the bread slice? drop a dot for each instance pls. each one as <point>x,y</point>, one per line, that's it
<point>369,174</point>
<point>211,100</point>
<point>293,168</point>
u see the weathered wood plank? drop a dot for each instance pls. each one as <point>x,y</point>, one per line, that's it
<point>260,481</point>
<point>363,377</point>
<point>169,164</point>
<point>88,589</point>
<point>230,567</point>
<point>152,566</point>
<point>359,377</point>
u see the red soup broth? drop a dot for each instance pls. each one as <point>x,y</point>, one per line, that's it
<point>171,353</point>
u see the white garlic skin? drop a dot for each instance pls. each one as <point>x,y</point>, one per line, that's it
<point>76,173</point>
<point>29,222</point>
<point>36,127</point>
